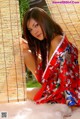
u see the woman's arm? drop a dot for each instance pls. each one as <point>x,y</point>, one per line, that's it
<point>29,60</point>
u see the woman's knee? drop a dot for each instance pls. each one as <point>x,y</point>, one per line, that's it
<point>31,92</point>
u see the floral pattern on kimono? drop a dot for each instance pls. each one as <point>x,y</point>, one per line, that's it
<point>60,80</point>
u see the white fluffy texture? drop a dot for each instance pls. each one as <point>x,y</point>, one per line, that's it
<point>30,110</point>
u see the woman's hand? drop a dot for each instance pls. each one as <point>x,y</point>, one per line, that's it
<point>24,44</point>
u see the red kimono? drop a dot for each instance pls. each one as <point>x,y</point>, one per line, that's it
<point>60,80</point>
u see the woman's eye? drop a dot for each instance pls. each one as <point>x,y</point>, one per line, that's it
<point>30,30</point>
<point>36,25</point>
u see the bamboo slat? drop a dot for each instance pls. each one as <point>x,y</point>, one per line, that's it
<point>12,73</point>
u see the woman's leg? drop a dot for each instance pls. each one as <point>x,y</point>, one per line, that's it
<point>31,92</point>
<point>29,62</point>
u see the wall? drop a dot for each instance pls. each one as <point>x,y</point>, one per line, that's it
<point>12,73</point>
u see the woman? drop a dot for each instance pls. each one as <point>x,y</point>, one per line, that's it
<point>51,58</point>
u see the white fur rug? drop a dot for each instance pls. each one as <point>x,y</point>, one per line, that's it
<point>30,110</point>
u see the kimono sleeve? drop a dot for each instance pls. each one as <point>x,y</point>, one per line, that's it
<point>69,75</point>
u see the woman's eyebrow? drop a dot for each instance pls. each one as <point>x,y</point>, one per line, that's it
<point>32,26</point>
<point>34,23</point>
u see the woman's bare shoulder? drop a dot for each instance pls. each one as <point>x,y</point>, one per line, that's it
<point>55,41</point>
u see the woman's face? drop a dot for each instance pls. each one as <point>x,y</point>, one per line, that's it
<point>35,29</point>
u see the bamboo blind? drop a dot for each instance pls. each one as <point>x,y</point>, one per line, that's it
<point>68,16</point>
<point>12,74</point>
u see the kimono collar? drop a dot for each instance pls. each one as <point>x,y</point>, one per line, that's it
<point>53,54</point>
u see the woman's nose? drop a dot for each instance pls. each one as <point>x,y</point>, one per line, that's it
<point>35,31</point>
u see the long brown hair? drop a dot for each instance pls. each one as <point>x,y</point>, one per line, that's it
<point>49,27</point>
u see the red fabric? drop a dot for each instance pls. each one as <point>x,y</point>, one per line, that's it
<point>61,77</point>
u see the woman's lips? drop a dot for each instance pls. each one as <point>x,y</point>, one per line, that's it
<point>39,35</point>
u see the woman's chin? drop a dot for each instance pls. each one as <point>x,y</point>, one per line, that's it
<point>41,39</point>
